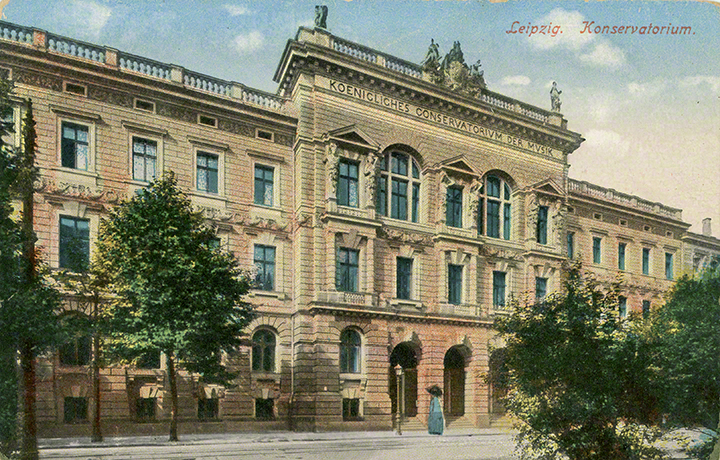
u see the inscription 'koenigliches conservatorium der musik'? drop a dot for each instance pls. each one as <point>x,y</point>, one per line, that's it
<point>439,118</point>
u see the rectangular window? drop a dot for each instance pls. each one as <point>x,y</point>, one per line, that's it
<point>75,410</point>
<point>622,306</point>
<point>264,185</point>
<point>540,288</point>
<point>493,219</point>
<point>264,260</point>
<point>499,288</point>
<point>646,261</point>
<point>348,184</point>
<point>668,265</point>
<point>346,278</point>
<point>75,147</point>
<point>455,281</point>
<point>265,408</point>
<point>542,222</point>
<point>621,255</point>
<point>398,200</point>
<point>597,249</point>
<point>404,278</point>
<point>207,172</point>
<point>570,245</point>
<point>351,408</point>
<point>74,243</point>
<point>144,158</point>
<point>145,408</point>
<point>208,409</point>
<point>453,214</point>
<point>646,308</point>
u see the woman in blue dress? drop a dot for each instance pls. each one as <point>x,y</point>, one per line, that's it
<point>436,421</point>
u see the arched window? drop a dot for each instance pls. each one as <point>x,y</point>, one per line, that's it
<point>263,351</point>
<point>398,194</point>
<point>495,211</point>
<point>350,343</point>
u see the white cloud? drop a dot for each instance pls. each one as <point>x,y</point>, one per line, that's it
<point>236,10</point>
<point>515,80</point>
<point>569,22</point>
<point>87,18</point>
<point>604,55</point>
<point>647,89</point>
<point>608,143</point>
<point>698,80</point>
<point>248,43</point>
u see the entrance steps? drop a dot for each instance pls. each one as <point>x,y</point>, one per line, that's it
<point>413,424</point>
<point>502,422</point>
<point>458,423</point>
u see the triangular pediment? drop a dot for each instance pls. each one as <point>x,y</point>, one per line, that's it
<point>548,187</point>
<point>352,135</point>
<point>458,164</point>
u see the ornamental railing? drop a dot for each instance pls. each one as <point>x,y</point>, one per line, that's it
<point>607,194</point>
<point>411,69</point>
<point>129,63</point>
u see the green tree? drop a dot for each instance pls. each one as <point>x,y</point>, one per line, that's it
<point>579,378</point>
<point>177,292</point>
<point>687,332</point>
<point>28,302</point>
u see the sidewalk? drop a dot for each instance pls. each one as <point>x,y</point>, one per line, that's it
<point>255,437</point>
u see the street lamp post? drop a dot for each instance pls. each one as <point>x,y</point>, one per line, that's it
<point>398,404</point>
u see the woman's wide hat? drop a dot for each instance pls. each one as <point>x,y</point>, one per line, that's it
<point>435,390</point>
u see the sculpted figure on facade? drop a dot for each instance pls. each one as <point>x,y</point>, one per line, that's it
<point>321,12</point>
<point>371,174</point>
<point>332,162</point>
<point>555,98</point>
<point>559,220</point>
<point>474,201</point>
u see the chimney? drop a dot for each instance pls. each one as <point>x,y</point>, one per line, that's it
<point>706,227</point>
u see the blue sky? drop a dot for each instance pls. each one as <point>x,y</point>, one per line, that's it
<point>648,105</point>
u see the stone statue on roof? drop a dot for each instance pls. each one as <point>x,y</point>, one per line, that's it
<point>321,12</point>
<point>555,98</point>
<point>453,72</point>
<point>455,55</point>
<point>432,58</point>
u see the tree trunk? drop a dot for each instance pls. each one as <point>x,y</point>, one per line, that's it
<point>96,429</point>
<point>172,375</point>
<point>28,447</point>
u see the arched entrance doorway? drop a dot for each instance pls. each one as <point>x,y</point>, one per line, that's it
<point>498,383</point>
<point>405,355</point>
<point>454,382</point>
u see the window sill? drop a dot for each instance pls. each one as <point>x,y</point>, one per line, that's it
<point>405,304</point>
<point>84,177</point>
<point>267,294</point>
<point>258,376</point>
<point>208,199</point>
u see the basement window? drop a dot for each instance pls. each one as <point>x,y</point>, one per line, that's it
<point>207,121</point>
<point>73,88</point>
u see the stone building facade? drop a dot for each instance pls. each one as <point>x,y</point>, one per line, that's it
<point>391,210</point>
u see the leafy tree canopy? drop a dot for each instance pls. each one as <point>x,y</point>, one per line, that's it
<point>176,291</point>
<point>579,377</point>
<point>686,330</point>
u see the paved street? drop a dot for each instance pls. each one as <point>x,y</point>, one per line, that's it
<point>415,445</point>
